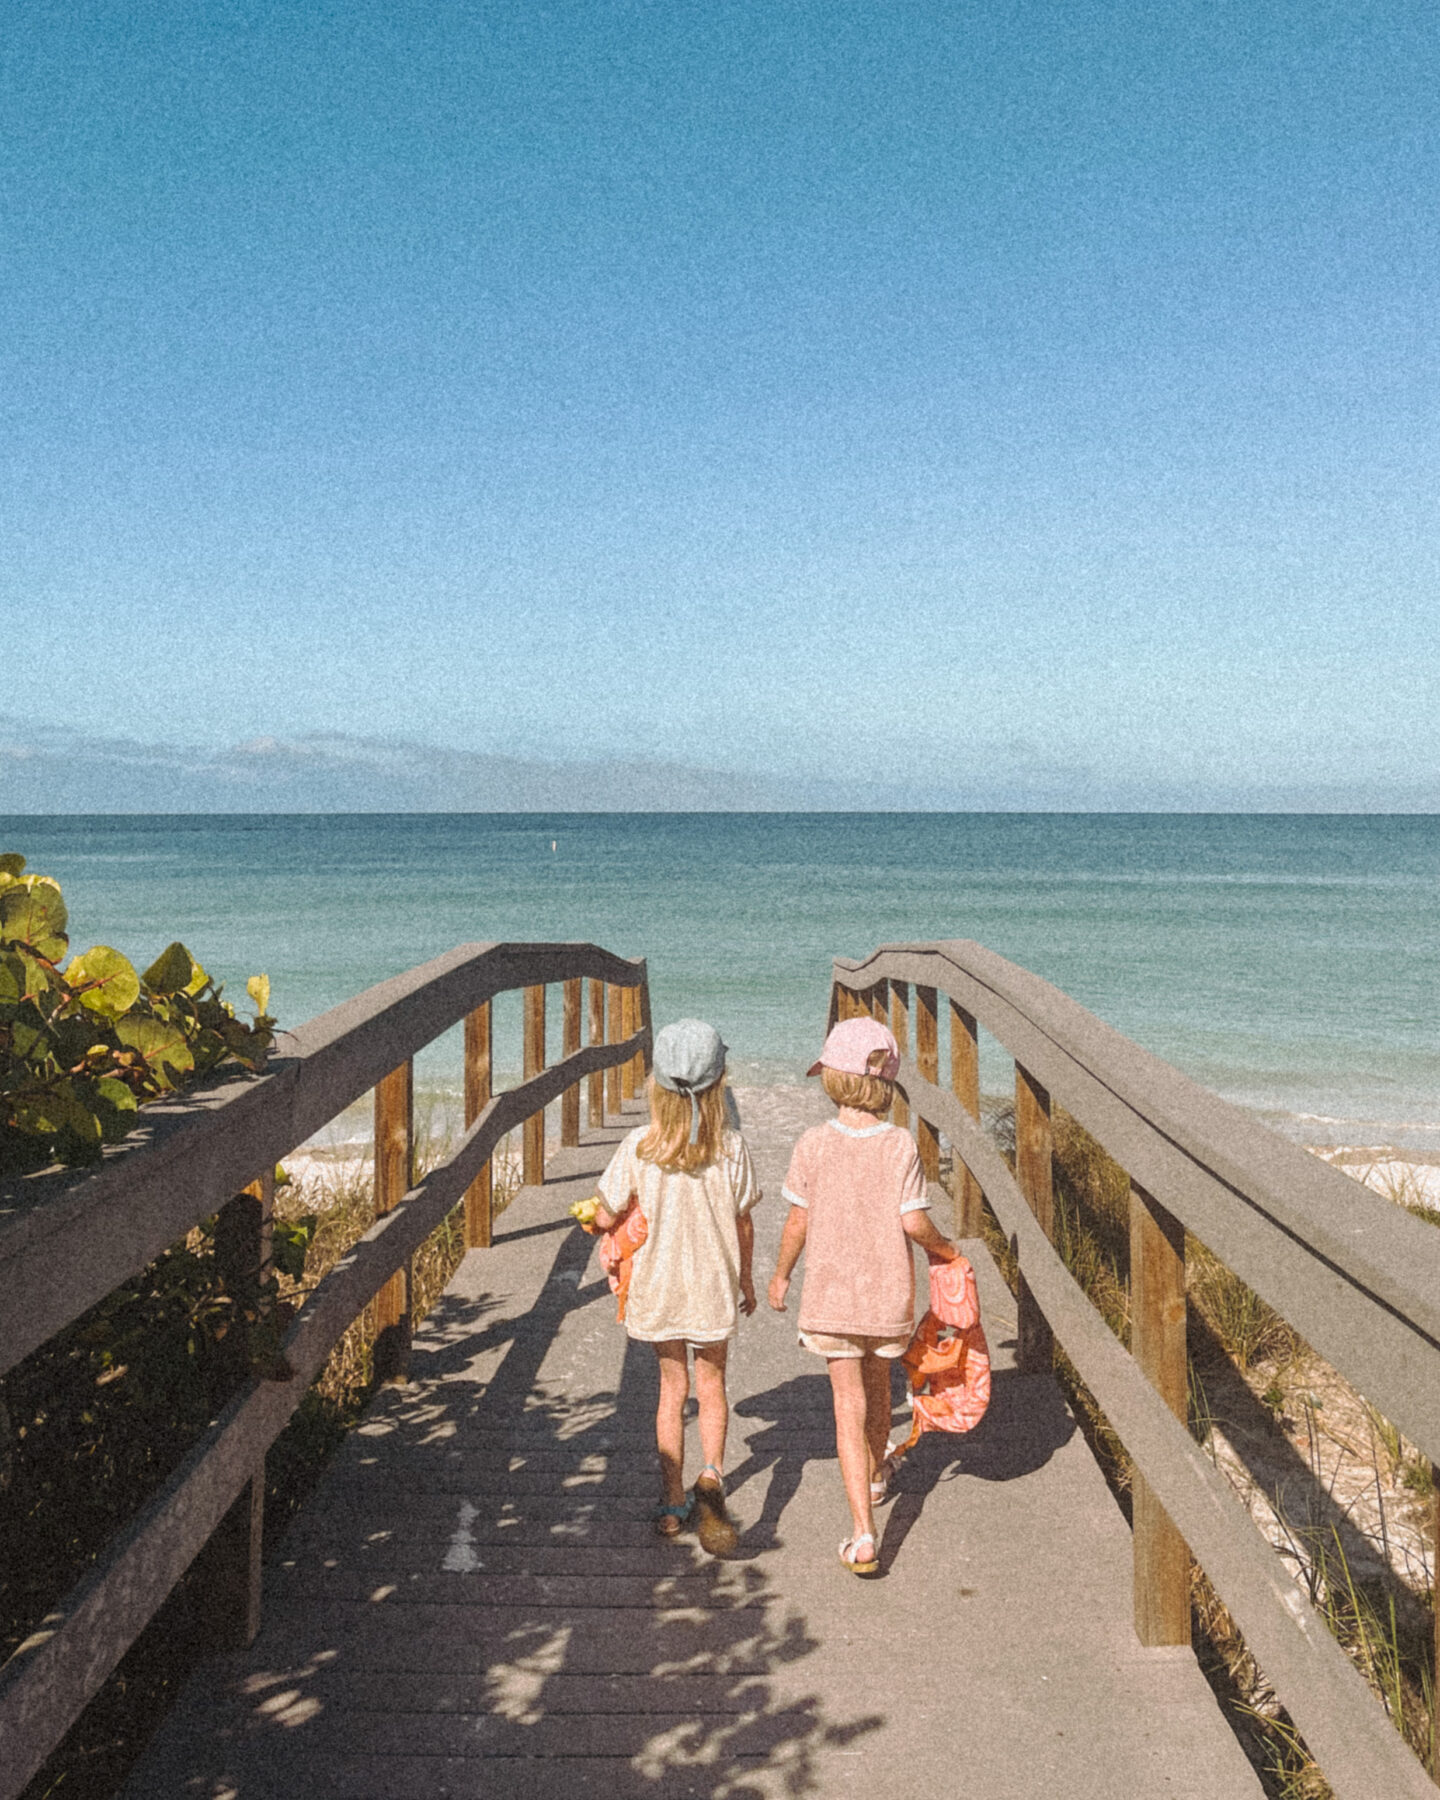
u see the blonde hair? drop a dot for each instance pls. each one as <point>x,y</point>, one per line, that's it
<point>866,1093</point>
<point>667,1142</point>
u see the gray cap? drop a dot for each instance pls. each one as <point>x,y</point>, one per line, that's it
<point>689,1057</point>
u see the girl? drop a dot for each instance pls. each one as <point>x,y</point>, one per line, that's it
<point>857,1203</point>
<point>691,1177</point>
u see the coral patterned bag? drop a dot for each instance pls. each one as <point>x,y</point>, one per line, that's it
<point>948,1360</point>
<point>617,1246</point>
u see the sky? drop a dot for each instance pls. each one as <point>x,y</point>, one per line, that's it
<point>1008,400</point>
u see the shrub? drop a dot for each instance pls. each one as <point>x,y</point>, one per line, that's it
<point>83,1047</point>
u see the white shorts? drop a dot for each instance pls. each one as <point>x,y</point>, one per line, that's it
<point>845,1344</point>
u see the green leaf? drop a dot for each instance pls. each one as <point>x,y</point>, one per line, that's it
<point>38,979</point>
<point>32,912</point>
<point>26,1036</point>
<point>161,1044</point>
<point>258,988</point>
<point>115,1107</point>
<point>290,1239</point>
<point>12,979</point>
<point>171,971</point>
<point>110,985</point>
<point>51,1111</point>
<point>11,863</point>
<point>198,981</point>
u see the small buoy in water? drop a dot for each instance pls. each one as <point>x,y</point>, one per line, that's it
<point>552,846</point>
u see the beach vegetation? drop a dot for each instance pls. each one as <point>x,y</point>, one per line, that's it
<point>1242,1350</point>
<point>85,1043</point>
<point>95,1420</point>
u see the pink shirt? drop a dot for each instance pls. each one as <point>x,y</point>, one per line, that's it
<point>855,1185</point>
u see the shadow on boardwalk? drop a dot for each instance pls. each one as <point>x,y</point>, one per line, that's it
<point>1028,1422</point>
<point>475,1603</point>
<point>479,1603</point>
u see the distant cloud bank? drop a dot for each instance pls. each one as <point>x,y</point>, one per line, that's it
<point>47,769</point>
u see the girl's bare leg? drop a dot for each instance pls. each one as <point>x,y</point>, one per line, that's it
<point>875,1373</point>
<point>670,1418</point>
<point>848,1391</point>
<point>714,1407</point>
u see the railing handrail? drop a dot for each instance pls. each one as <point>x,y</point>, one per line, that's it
<point>1353,1273</point>
<point>60,1667</point>
<point>1172,1130</point>
<point>69,1237</point>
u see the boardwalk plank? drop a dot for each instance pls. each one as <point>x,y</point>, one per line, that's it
<point>584,1657</point>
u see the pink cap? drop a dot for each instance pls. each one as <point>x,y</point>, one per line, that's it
<point>850,1046</point>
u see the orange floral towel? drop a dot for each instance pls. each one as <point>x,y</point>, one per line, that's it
<point>617,1246</point>
<point>948,1360</point>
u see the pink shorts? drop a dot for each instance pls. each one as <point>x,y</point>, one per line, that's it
<point>851,1344</point>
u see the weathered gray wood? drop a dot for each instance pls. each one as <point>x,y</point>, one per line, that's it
<point>645,1026</point>
<point>776,1672</point>
<point>532,1153</point>
<point>394,1177</point>
<point>1358,1749</point>
<point>630,1021</point>
<point>614,1032</point>
<point>1355,1275</point>
<point>927,1059</point>
<point>479,1076</point>
<point>1034,1175</point>
<point>1157,1342</point>
<point>226,1579</point>
<point>68,1237</point>
<point>569,1043</point>
<point>965,1081</point>
<point>52,1676</point>
<point>900,1027</point>
<point>595,1084</point>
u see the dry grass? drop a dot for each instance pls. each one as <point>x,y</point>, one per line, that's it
<point>89,1434</point>
<point>342,1205</point>
<point>1385,1629</point>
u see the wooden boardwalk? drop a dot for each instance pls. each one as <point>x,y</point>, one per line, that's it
<point>474,1602</point>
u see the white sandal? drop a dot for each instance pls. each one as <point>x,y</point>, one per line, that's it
<point>853,1561</point>
<point>882,1488</point>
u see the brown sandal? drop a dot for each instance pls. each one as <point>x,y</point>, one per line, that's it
<point>718,1536</point>
<point>670,1521</point>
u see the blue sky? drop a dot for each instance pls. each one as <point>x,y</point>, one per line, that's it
<point>968,393</point>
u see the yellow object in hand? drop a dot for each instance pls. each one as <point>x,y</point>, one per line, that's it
<point>584,1210</point>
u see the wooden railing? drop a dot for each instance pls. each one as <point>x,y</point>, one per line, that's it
<point>68,1239</point>
<point>1355,1275</point>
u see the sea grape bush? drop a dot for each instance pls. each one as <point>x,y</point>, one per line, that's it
<point>83,1047</point>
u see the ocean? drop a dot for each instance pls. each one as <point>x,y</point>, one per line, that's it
<point>1290,963</point>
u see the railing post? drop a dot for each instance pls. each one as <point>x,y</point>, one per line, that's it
<point>569,1044</point>
<point>532,1170</point>
<point>480,1195</point>
<point>227,1578</point>
<point>965,1080</point>
<point>927,1060</point>
<point>629,1023</point>
<point>876,1001</point>
<point>645,1023</point>
<point>1435,1627</point>
<point>614,1032</point>
<point>394,1177</point>
<point>1157,1342</point>
<point>900,1029</point>
<point>595,1084</point>
<point>1034,1175</point>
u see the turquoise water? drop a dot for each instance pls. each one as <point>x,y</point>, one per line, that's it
<point>1292,963</point>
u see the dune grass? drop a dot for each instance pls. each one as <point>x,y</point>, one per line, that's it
<point>93,1422</point>
<point>1390,1642</point>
